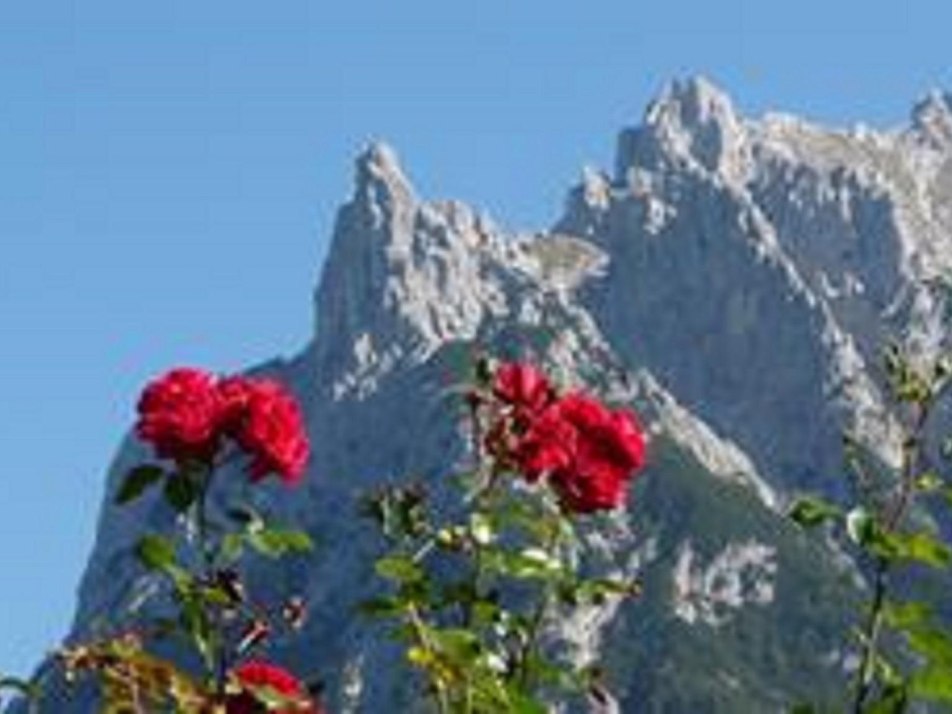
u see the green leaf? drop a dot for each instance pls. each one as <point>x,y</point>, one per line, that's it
<point>216,595</point>
<point>399,568</point>
<point>136,482</point>
<point>934,644</point>
<point>894,699</point>
<point>273,542</point>
<point>811,511</point>
<point>381,607</point>
<point>522,703</point>
<point>922,547</point>
<point>180,491</point>
<point>933,683</point>
<point>929,482</point>
<point>458,645</point>
<point>155,552</point>
<point>485,612</point>
<point>528,564</point>
<point>907,615</point>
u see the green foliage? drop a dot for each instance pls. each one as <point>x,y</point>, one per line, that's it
<point>137,481</point>
<point>812,511</point>
<point>906,652</point>
<point>399,568</point>
<point>182,489</point>
<point>208,595</point>
<point>471,591</point>
<point>277,542</point>
<point>155,552</point>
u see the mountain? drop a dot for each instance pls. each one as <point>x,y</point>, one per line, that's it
<point>732,279</point>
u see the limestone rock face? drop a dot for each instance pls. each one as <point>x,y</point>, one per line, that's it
<point>756,268</point>
<point>731,279</point>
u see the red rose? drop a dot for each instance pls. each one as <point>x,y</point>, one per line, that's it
<point>587,451</point>
<point>184,414</point>
<point>606,438</point>
<point>254,676</point>
<point>548,445</point>
<point>609,448</point>
<point>178,414</point>
<point>267,423</point>
<point>234,393</point>
<point>522,387</point>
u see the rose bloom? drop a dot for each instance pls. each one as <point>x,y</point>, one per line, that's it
<point>254,675</point>
<point>523,387</point>
<point>178,414</point>
<point>267,423</point>
<point>234,394</point>
<point>548,445</point>
<point>185,413</point>
<point>587,451</point>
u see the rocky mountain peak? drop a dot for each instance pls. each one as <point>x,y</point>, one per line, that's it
<point>932,118</point>
<point>380,180</point>
<point>692,104</point>
<point>692,122</point>
<point>402,275</point>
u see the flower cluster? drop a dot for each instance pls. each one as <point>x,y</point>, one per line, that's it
<point>587,452</point>
<point>186,413</point>
<point>257,680</point>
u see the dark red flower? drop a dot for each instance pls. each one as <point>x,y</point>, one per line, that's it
<point>609,448</point>
<point>606,437</point>
<point>267,423</point>
<point>547,445</point>
<point>178,414</point>
<point>234,393</point>
<point>522,387</point>
<point>587,451</point>
<point>264,678</point>
<point>185,413</point>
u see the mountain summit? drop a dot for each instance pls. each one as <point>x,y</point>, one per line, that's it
<point>734,279</point>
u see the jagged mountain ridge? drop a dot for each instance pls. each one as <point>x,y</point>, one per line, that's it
<point>732,278</point>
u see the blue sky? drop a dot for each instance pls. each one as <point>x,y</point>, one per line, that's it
<point>169,174</point>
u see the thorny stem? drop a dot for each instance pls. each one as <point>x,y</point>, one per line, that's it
<point>216,640</point>
<point>537,617</point>
<point>892,520</point>
<point>487,478</point>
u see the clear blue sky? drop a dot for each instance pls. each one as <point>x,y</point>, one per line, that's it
<point>169,173</point>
